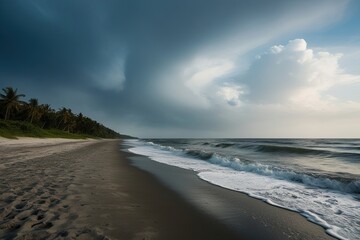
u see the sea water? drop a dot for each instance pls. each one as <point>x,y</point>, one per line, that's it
<point>319,178</point>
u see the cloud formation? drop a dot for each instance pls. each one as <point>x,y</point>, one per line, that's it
<point>291,74</point>
<point>167,68</point>
<point>294,73</point>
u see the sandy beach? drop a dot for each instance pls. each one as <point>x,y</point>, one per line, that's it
<point>89,189</point>
<point>66,189</point>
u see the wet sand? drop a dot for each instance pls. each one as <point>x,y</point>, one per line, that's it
<point>89,189</point>
<point>247,217</point>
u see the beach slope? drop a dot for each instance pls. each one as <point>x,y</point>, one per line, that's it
<point>86,189</point>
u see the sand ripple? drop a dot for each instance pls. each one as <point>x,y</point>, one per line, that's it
<point>38,196</point>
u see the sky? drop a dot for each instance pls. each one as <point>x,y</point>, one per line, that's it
<point>204,68</point>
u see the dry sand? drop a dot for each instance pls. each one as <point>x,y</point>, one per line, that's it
<point>66,189</point>
<point>38,193</point>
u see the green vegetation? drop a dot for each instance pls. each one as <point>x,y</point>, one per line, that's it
<point>13,129</point>
<point>32,119</point>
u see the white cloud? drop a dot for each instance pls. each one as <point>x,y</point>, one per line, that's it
<point>291,75</point>
<point>203,72</point>
<point>295,74</point>
<point>231,94</point>
<point>291,86</point>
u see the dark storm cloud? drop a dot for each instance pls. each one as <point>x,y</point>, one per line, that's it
<point>61,51</point>
<point>41,40</point>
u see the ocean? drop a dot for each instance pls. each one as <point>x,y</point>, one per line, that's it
<point>319,178</point>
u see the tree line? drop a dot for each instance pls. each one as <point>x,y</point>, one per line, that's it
<point>12,107</point>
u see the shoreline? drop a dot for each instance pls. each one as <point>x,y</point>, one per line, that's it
<point>94,189</point>
<point>249,217</point>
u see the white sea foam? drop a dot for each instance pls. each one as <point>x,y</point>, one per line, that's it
<point>337,212</point>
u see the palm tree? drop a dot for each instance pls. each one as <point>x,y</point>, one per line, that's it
<point>79,126</point>
<point>10,100</point>
<point>34,110</point>
<point>48,116</point>
<point>66,119</point>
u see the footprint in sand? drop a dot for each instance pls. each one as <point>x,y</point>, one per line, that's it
<point>9,199</point>
<point>20,206</point>
<point>11,215</point>
<point>42,225</point>
<point>41,201</point>
<point>55,201</point>
<point>63,233</point>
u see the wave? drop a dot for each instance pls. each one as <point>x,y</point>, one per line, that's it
<point>283,149</point>
<point>321,197</point>
<point>349,147</point>
<point>354,142</point>
<point>224,145</point>
<point>306,151</point>
<point>286,149</point>
<point>168,148</point>
<point>267,148</point>
<point>312,180</point>
<point>341,184</point>
<point>203,155</point>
